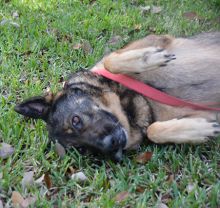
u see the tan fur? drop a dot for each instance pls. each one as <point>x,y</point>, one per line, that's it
<point>114,107</point>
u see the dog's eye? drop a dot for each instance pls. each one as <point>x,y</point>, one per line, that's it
<point>76,122</point>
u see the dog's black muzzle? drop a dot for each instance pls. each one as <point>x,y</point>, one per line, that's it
<point>114,144</point>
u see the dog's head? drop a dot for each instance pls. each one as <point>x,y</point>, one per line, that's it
<point>83,114</point>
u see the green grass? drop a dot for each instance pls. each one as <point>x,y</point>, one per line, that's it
<point>38,53</point>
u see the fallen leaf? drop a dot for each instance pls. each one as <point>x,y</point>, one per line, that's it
<point>61,79</point>
<point>80,176</point>
<point>114,40</point>
<point>67,37</point>
<point>17,199</point>
<point>71,170</point>
<point>28,201</point>
<point>4,21</point>
<point>39,180</point>
<point>170,178</point>
<point>190,15</point>
<point>140,189</point>
<point>137,28</point>
<point>190,187</point>
<point>85,46</point>
<point>15,15</point>
<point>121,196</point>
<point>162,205</point>
<point>60,150</point>
<point>156,9</point>
<point>28,179</point>
<point>53,193</point>
<point>7,21</point>
<point>1,204</point>
<point>144,157</point>
<point>145,9</point>
<point>47,180</point>
<point>6,150</point>
<point>77,46</point>
<point>86,198</point>
<point>166,198</point>
<point>14,24</point>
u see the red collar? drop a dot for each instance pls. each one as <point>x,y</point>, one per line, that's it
<point>151,92</point>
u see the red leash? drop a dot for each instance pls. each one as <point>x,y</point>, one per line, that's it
<point>150,92</point>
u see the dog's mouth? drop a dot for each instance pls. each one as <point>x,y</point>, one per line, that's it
<point>111,146</point>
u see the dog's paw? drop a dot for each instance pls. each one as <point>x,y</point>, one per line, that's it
<point>168,58</point>
<point>185,130</point>
<point>157,57</point>
<point>198,130</point>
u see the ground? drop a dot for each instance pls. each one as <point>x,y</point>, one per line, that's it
<point>41,43</point>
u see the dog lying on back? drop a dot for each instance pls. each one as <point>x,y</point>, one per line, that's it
<point>98,114</point>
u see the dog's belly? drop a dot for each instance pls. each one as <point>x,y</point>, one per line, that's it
<point>193,76</point>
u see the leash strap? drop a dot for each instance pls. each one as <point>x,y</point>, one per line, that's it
<point>151,92</point>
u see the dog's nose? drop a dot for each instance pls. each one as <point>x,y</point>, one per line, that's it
<point>115,140</point>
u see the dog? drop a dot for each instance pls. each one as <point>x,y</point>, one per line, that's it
<point>105,117</point>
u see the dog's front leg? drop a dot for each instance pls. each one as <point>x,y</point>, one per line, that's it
<point>185,130</point>
<point>137,60</point>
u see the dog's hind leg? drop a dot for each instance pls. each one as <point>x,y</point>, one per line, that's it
<point>142,55</point>
<point>185,130</point>
<point>137,60</point>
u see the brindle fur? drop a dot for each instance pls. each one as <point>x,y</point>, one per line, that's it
<point>186,68</point>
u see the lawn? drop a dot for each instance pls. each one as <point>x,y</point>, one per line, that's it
<point>41,43</point>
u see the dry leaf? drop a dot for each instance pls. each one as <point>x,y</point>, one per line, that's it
<point>190,15</point>
<point>47,180</point>
<point>85,46</point>
<point>27,179</point>
<point>60,150</point>
<point>114,40</point>
<point>6,150</point>
<point>71,170</point>
<point>14,24</point>
<point>28,201</point>
<point>137,28</point>
<point>144,157</point>
<point>15,15</point>
<point>156,9</point>
<point>170,178</point>
<point>1,204</point>
<point>140,189</point>
<point>80,176</point>
<point>17,199</point>
<point>40,180</point>
<point>166,198</point>
<point>145,9</point>
<point>162,205</point>
<point>190,187</point>
<point>121,196</point>
<point>4,21</point>
<point>77,46</point>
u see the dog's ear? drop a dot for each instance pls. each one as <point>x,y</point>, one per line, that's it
<point>35,107</point>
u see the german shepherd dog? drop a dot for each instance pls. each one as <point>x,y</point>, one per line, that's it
<point>101,115</point>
